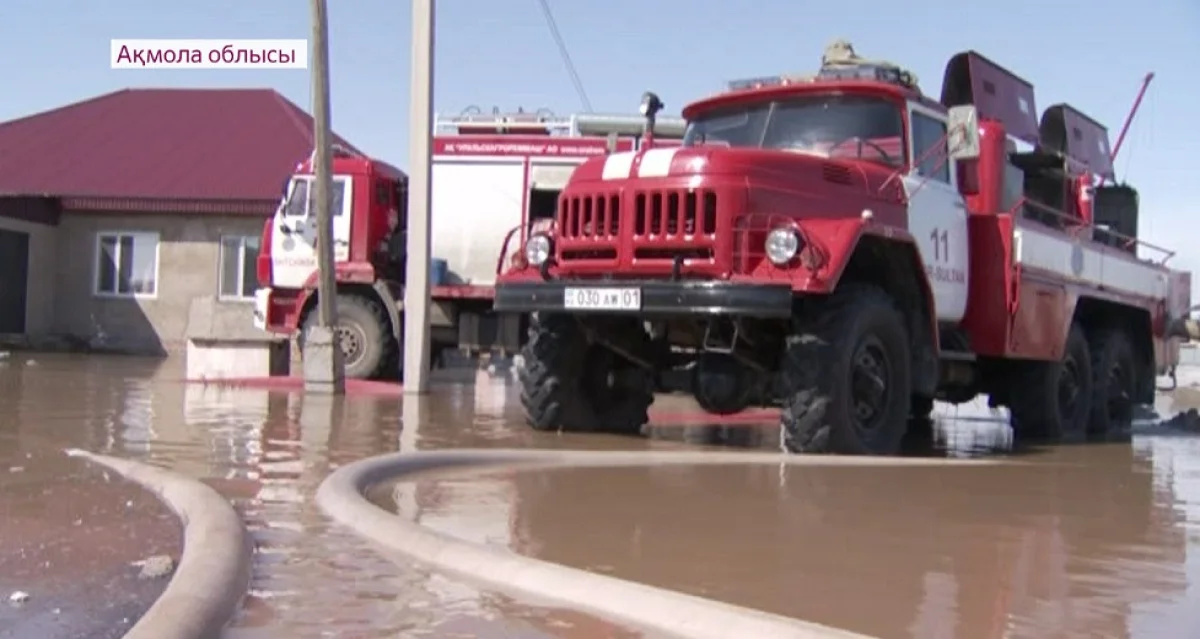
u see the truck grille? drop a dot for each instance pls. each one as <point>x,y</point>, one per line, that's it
<point>591,217</point>
<point>659,214</point>
<point>659,227</point>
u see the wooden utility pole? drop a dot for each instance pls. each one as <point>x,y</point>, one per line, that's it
<point>324,368</point>
<point>420,142</point>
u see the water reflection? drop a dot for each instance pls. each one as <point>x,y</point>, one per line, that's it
<point>1084,542</point>
<point>1089,539</point>
<point>268,452</point>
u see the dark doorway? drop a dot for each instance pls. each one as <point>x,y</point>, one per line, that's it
<point>14,280</point>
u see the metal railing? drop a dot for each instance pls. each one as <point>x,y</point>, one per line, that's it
<point>1076,227</point>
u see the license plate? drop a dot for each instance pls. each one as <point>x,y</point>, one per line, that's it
<point>603,299</point>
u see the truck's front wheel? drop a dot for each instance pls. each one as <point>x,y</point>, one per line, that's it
<point>363,335</point>
<point>568,383</point>
<point>847,376</point>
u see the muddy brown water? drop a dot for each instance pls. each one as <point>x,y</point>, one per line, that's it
<point>1083,541</point>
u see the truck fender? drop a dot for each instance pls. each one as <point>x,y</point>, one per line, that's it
<point>889,258</point>
<point>379,288</point>
<point>392,305</point>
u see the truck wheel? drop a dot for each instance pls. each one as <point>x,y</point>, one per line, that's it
<point>1053,400</point>
<point>847,376</point>
<point>1114,380</point>
<point>569,384</point>
<point>362,332</point>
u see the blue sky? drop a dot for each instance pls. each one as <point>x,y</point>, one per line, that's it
<point>500,52</point>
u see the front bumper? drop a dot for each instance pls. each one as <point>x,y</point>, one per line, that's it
<point>656,298</point>
<point>262,306</point>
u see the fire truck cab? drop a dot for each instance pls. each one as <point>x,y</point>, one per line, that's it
<point>494,176</point>
<point>849,249</point>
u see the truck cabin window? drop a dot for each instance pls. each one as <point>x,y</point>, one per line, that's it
<point>838,126</point>
<point>301,200</point>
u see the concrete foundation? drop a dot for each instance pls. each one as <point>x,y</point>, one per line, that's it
<point>226,359</point>
<point>220,346</point>
<point>323,370</point>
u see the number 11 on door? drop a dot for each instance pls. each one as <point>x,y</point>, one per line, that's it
<point>941,245</point>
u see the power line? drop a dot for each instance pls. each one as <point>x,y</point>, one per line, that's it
<point>566,56</point>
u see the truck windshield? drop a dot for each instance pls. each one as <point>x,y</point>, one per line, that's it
<point>826,125</point>
<point>300,202</point>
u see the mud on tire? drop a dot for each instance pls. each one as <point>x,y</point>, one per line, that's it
<point>1114,383</point>
<point>565,382</point>
<point>847,375</point>
<point>1052,400</point>
<point>363,333</point>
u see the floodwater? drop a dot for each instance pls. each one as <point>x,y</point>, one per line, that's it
<point>1082,541</point>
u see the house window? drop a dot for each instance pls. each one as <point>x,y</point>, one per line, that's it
<point>127,264</point>
<point>239,267</point>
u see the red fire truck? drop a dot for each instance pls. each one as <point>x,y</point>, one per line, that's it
<point>494,176</point>
<point>849,249</point>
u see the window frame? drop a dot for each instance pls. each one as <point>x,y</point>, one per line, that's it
<point>775,111</point>
<point>98,254</point>
<point>344,181</point>
<point>948,165</point>
<point>221,295</point>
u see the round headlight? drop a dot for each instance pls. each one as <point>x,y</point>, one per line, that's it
<point>782,245</point>
<point>537,249</point>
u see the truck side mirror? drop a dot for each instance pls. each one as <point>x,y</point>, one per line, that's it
<point>963,132</point>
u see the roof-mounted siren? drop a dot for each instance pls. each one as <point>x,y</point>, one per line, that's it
<point>994,92</point>
<point>474,121</point>
<point>838,62</point>
<point>757,83</point>
<point>1081,141</point>
<point>872,72</point>
<point>841,62</point>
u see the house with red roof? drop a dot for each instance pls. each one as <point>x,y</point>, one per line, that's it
<point>117,212</point>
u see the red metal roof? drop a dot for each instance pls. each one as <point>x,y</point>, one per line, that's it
<point>164,150</point>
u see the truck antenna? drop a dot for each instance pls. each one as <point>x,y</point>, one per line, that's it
<point>1137,103</point>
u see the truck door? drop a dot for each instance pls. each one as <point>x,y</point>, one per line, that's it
<point>294,236</point>
<point>937,214</point>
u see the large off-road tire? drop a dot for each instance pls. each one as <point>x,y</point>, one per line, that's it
<point>369,349</point>
<point>847,376</point>
<point>1114,383</point>
<point>1052,400</point>
<point>568,384</point>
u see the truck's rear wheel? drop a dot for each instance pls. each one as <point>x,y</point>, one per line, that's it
<point>847,376</point>
<point>368,347</point>
<point>1053,400</point>
<point>1114,385</point>
<point>570,384</point>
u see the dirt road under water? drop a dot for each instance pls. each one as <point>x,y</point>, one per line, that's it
<point>1081,541</point>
